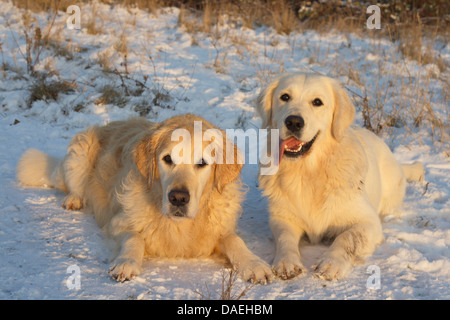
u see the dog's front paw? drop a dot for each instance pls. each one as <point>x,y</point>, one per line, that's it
<point>72,202</point>
<point>124,269</point>
<point>331,268</point>
<point>288,267</point>
<point>256,271</point>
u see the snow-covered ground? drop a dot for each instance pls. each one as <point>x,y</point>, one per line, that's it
<point>169,71</point>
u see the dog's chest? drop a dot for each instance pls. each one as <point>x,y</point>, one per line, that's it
<point>309,201</point>
<point>313,202</point>
<point>177,240</point>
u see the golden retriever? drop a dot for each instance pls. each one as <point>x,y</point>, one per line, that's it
<point>124,174</point>
<point>333,179</point>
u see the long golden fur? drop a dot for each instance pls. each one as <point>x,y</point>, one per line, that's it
<point>121,173</point>
<point>333,181</point>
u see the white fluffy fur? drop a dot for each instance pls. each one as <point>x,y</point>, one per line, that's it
<point>116,172</point>
<point>336,191</point>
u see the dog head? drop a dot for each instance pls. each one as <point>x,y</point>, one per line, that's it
<point>305,108</point>
<point>185,156</point>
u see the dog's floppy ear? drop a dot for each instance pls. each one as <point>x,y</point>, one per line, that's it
<point>144,155</point>
<point>344,111</point>
<point>264,103</point>
<point>228,171</point>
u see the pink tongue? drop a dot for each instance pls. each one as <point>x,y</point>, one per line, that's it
<point>291,143</point>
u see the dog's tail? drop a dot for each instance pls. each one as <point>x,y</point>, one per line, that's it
<point>38,169</point>
<point>414,171</point>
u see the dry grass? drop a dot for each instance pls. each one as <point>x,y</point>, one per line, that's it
<point>104,59</point>
<point>404,23</point>
<point>229,289</point>
<point>402,102</point>
<point>413,27</point>
<point>112,95</point>
<point>415,43</point>
<point>202,16</point>
<point>39,5</point>
<point>49,90</point>
<point>122,48</point>
<point>35,39</point>
<point>93,27</point>
<point>399,17</point>
<point>284,17</point>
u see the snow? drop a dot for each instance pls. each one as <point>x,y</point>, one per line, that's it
<point>216,76</point>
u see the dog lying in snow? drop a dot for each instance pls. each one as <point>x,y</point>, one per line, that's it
<point>124,174</point>
<point>333,180</point>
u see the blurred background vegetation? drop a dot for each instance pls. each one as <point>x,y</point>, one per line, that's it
<point>296,14</point>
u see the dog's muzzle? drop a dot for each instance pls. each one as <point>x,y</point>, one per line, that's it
<point>179,200</point>
<point>294,123</point>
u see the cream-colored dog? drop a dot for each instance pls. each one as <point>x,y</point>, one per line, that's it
<point>151,206</point>
<point>333,180</point>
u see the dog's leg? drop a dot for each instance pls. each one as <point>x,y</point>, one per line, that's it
<point>356,242</point>
<point>77,166</point>
<point>250,267</point>
<point>287,263</point>
<point>129,261</point>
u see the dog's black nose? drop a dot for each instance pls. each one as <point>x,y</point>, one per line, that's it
<point>294,123</point>
<point>179,197</point>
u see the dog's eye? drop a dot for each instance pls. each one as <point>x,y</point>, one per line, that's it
<point>202,163</point>
<point>317,102</point>
<point>285,97</point>
<point>168,159</point>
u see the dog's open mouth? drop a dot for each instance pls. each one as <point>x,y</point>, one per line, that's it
<point>293,148</point>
